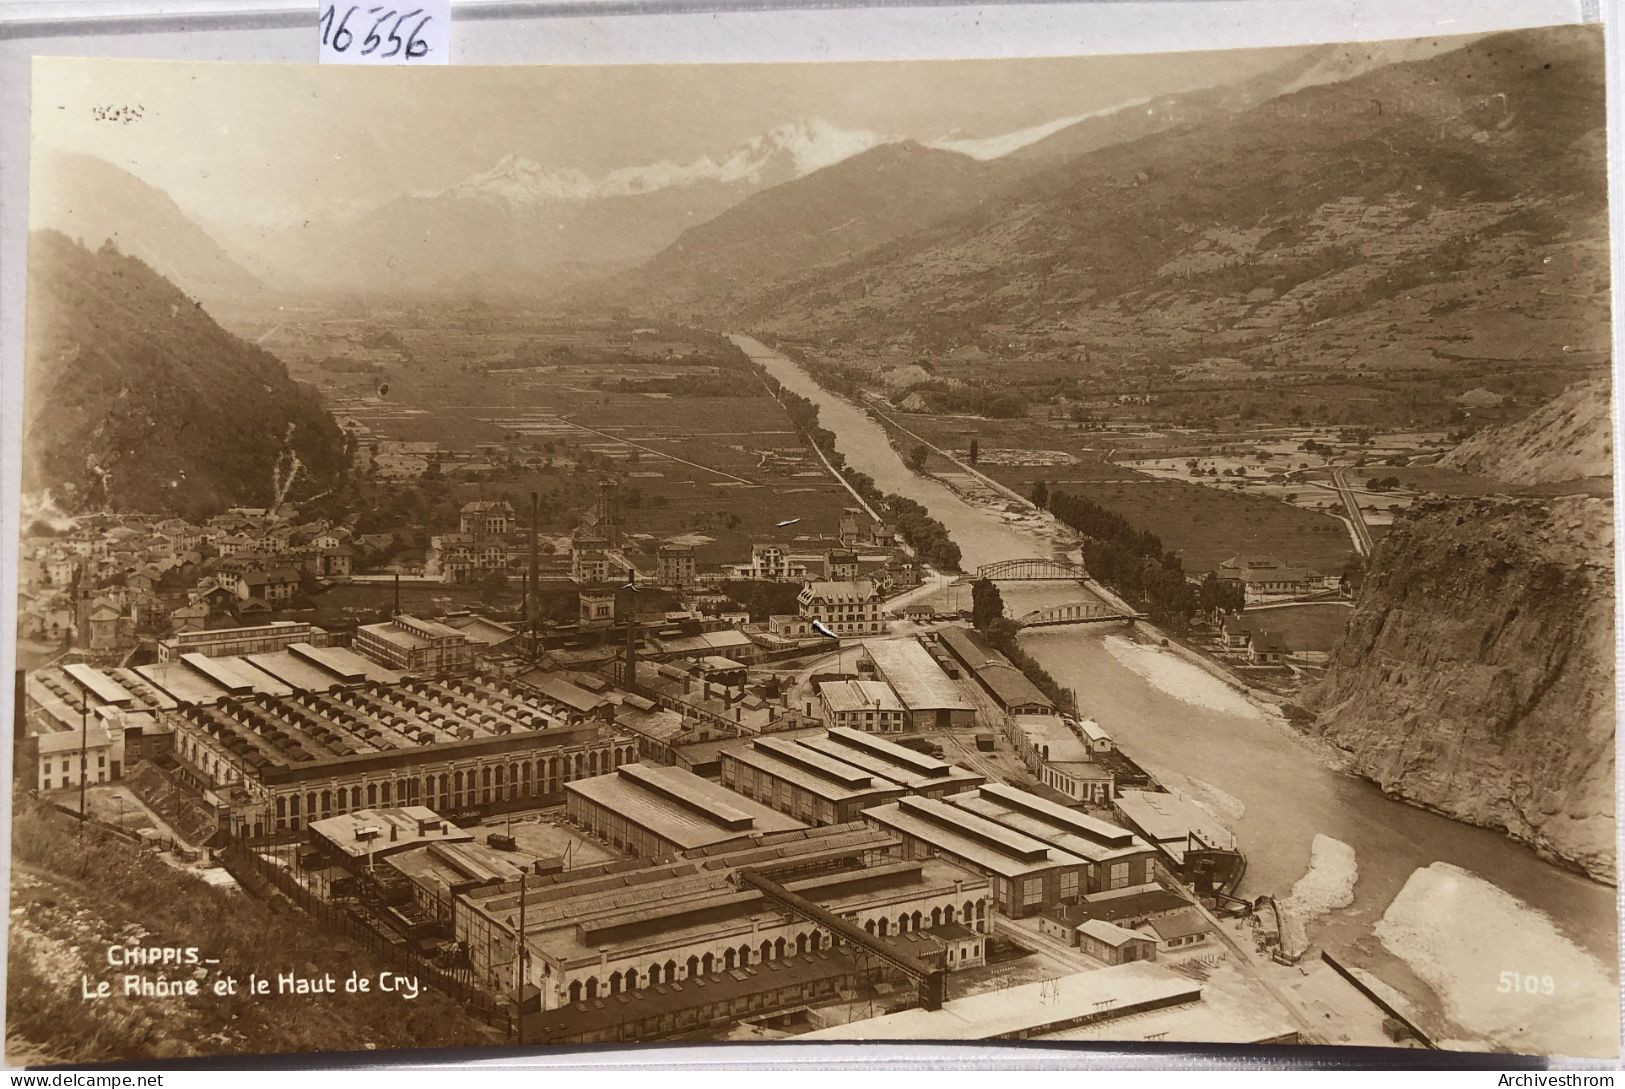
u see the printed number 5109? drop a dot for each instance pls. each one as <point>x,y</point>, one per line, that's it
<point>369,31</point>
<point>1518,983</point>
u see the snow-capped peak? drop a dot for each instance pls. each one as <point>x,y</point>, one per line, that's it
<point>520,180</point>
<point>786,152</point>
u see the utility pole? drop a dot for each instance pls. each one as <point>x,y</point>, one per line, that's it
<point>519,968</point>
<point>84,758</point>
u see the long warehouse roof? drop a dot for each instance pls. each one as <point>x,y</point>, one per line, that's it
<point>915,676</point>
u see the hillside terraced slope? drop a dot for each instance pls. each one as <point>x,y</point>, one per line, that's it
<point>1423,214</point>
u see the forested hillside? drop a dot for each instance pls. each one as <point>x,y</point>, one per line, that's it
<point>137,400</point>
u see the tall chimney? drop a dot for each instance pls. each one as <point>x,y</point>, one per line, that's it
<point>397,593</point>
<point>631,675</point>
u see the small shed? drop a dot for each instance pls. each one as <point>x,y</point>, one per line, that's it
<point>1115,944</point>
<point>1179,929</point>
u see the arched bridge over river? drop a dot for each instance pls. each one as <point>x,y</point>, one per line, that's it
<point>1031,570</point>
<point>1034,569</point>
<point>1074,612</point>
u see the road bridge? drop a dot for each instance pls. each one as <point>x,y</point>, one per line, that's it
<point>1362,532</point>
<point>1032,569</point>
<point>1074,612</point>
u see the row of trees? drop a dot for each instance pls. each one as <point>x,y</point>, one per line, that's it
<point>1131,561</point>
<point>927,536</point>
<point>951,400</point>
<point>762,597</point>
<point>1001,633</point>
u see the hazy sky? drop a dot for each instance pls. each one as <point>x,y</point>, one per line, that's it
<point>250,142</point>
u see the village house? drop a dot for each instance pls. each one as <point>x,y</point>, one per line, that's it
<point>273,587</point>
<point>190,617</point>
<point>1264,578</point>
<point>771,560</point>
<point>458,557</point>
<point>1267,648</point>
<point>1236,631</point>
<point>1178,930</point>
<point>487,518</point>
<point>47,616</point>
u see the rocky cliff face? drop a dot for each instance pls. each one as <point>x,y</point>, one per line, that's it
<point>1476,676</point>
<point>1568,438</point>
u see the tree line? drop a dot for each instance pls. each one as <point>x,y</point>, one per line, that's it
<point>1131,561</point>
<point>925,535</point>
<point>1001,633</point>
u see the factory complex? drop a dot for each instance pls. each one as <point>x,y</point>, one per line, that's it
<point>600,846</point>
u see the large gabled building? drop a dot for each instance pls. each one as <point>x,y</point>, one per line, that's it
<point>274,756</point>
<point>931,699</point>
<point>601,931</point>
<point>1036,853</point>
<point>655,811</point>
<point>845,608</point>
<point>831,776</point>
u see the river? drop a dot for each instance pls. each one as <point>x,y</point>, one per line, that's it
<point>1276,789</point>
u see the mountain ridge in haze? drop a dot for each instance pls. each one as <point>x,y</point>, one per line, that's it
<point>90,199</point>
<point>1421,212</point>
<point>788,232</point>
<point>531,227</point>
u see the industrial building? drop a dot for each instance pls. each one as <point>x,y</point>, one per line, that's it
<point>362,837</point>
<point>1177,827</point>
<point>658,812</point>
<point>602,931</point>
<point>1008,685</point>
<point>414,645</point>
<point>709,1002</point>
<point>442,873</point>
<point>1036,853</point>
<point>276,759</point>
<point>870,706</point>
<point>832,776</point>
<point>930,698</point>
<point>217,642</point>
<point>75,718</point>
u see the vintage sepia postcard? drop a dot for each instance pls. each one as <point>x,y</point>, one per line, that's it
<point>1085,549</point>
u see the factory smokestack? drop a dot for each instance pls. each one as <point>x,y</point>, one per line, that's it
<point>630,677</point>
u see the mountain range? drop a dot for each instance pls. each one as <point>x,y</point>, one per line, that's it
<point>528,229</point>
<point>1356,206</point>
<point>523,229</point>
<point>1423,213</point>
<point>794,231</point>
